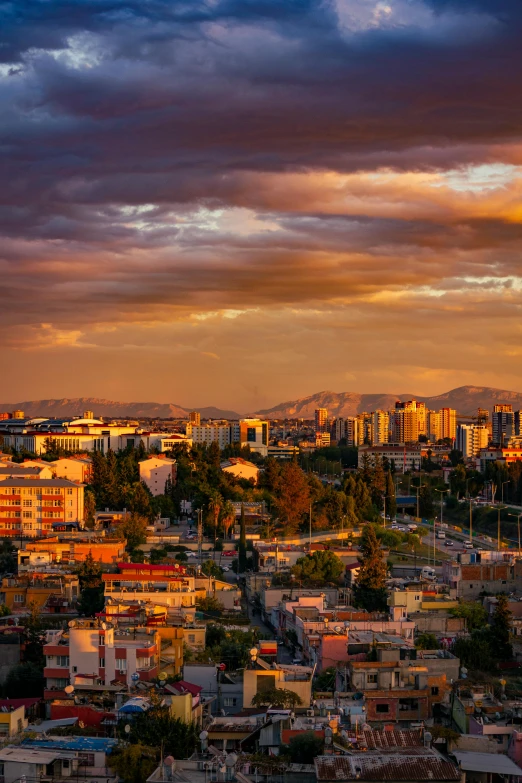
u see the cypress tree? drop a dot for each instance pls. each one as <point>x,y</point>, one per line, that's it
<point>242,542</point>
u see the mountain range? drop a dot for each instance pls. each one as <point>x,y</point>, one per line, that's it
<point>110,409</point>
<point>465,399</point>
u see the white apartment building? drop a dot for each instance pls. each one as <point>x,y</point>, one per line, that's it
<point>92,653</point>
<point>380,427</point>
<point>403,456</point>
<point>471,438</point>
<point>155,471</point>
<point>246,432</point>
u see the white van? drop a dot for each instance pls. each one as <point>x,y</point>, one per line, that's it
<point>441,534</point>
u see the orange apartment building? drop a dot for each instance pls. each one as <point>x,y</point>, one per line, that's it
<point>33,507</point>
<point>56,551</point>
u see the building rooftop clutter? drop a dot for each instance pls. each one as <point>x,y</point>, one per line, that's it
<point>103,744</point>
<point>496,763</point>
<point>426,765</point>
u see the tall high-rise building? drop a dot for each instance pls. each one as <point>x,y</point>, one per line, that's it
<point>321,420</point>
<point>471,438</point>
<point>433,426</point>
<point>503,421</point>
<point>338,430</point>
<point>448,423</point>
<point>352,431</point>
<point>195,418</point>
<point>365,428</point>
<point>408,421</point>
<point>380,427</point>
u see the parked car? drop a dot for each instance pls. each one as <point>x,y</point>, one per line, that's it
<point>449,543</point>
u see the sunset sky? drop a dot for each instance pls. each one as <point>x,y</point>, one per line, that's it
<point>239,202</point>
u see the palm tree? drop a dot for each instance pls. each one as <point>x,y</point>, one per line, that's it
<point>215,504</point>
<point>228,516</point>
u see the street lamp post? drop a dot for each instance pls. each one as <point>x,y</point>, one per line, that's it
<point>502,489</point>
<point>442,492</point>
<point>500,508</point>
<point>518,516</point>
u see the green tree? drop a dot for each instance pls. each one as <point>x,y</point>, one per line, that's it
<point>426,641</point>
<point>473,612</point>
<point>89,508</point>
<point>325,681</point>
<point>320,567</point>
<point>304,747</point>
<point>391,503</point>
<point>215,635</point>
<point>133,763</point>
<point>475,651</point>
<point>91,587</point>
<point>157,728</point>
<point>215,505</point>
<point>426,504</point>
<point>500,629</point>
<point>293,500</point>
<point>211,568</point>
<point>24,681</point>
<point>209,606</point>
<point>228,517</point>
<point>277,697</point>
<point>242,557</point>
<point>34,636</point>
<point>133,530</point>
<point>370,589</point>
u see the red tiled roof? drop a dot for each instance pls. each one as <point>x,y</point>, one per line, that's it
<point>184,687</point>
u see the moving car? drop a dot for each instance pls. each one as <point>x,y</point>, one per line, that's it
<point>449,543</point>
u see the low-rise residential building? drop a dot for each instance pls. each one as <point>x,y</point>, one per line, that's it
<point>90,653</point>
<point>156,471</point>
<point>293,678</point>
<point>77,469</point>
<point>467,581</point>
<point>416,598</point>
<point>52,593</point>
<point>241,468</point>
<point>56,551</point>
<point>404,457</point>
<point>26,471</point>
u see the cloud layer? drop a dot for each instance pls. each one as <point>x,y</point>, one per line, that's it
<point>254,186</point>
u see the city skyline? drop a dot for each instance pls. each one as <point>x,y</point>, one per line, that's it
<point>239,203</point>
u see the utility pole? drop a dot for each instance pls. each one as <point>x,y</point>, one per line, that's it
<point>470,521</point>
<point>518,526</point>
<point>310,532</point>
<point>500,508</point>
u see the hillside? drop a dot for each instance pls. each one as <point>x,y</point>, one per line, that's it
<point>109,408</point>
<point>465,399</point>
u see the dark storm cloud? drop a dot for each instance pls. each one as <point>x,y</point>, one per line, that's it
<point>124,124</point>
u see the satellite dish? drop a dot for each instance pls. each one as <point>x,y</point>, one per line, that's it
<point>203,735</point>
<point>162,676</point>
<point>127,729</point>
<point>72,623</point>
<point>104,626</point>
<point>170,761</point>
<point>69,689</point>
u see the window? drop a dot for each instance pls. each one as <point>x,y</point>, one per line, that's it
<point>27,514</point>
<point>62,660</point>
<point>228,701</point>
<point>382,708</point>
<point>434,691</point>
<point>18,598</point>
<point>69,491</point>
<point>371,678</point>
<point>192,638</point>
<point>101,641</point>
<point>102,663</point>
<point>27,503</point>
<point>75,669</point>
<point>86,759</point>
<point>121,664</point>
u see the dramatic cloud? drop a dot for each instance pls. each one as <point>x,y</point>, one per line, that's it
<point>256,186</point>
